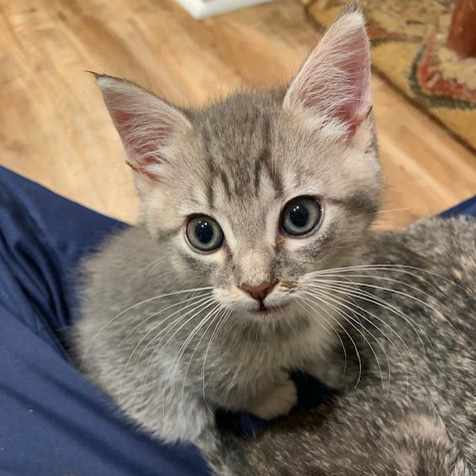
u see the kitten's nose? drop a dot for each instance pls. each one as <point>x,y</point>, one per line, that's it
<point>260,291</point>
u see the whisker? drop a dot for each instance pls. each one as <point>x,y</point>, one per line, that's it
<point>216,317</point>
<point>351,321</point>
<point>141,323</point>
<point>145,301</point>
<point>373,298</point>
<point>202,307</point>
<point>357,353</point>
<point>191,308</point>
<point>356,306</point>
<point>354,274</point>
<point>150,265</point>
<point>354,319</point>
<point>196,303</point>
<point>326,329</point>
<point>391,210</point>
<point>214,335</point>
<point>208,318</point>
<point>355,291</point>
<point>397,281</point>
<point>390,267</point>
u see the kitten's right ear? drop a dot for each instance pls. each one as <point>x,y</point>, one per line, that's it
<point>145,125</point>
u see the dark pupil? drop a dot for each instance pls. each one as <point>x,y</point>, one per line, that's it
<point>204,232</point>
<point>299,216</point>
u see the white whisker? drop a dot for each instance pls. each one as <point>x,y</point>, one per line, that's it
<point>388,267</point>
<point>357,353</point>
<point>215,317</point>
<point>150,265</point>
<point>354,291</point>
<point>213,336</point>
<point>145,301</point>
<point>141,323</point>
<point>158,348</point>
<point>346,293</point>
<point>370,297</point>
<point>326,329</point>
<point>326,298</point>
<point>208,318</point>
<point>196,303</point>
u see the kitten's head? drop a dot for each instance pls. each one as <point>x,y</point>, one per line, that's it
<point>252,194</point>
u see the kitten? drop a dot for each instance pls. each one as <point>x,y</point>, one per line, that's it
<point>411,310</point>
<point>205,306</point>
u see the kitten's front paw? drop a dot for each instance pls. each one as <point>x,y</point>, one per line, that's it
<point>278,402</point>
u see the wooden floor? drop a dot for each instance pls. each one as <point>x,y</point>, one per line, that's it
<point>55,129</point>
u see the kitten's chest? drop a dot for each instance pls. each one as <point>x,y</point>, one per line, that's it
<point>292,353</point>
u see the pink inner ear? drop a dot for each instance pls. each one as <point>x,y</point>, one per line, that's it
<point>142,137</point>
<point>145,124</point>
<point>357,68</point>
<point>334,81</point>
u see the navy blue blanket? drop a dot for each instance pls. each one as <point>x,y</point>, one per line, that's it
<point>52,421</point>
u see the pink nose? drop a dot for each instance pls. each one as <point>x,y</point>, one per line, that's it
<point>260,291</point>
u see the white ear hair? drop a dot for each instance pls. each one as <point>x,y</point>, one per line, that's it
<point>145,125</point>
<point>334,82</point>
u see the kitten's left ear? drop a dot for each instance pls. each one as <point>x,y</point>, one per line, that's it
<point>145,124</point>
<point>333,86</point>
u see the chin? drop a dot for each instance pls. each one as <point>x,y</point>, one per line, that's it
<point>267,310</point>
<point>272,312</point>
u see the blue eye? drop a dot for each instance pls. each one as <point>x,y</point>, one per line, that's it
<point>300,216</point>
<point>204,233</point>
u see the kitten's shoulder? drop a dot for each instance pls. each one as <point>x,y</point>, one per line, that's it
<point>122,250</point>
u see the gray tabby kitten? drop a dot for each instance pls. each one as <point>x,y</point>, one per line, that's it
<point>204,306</point>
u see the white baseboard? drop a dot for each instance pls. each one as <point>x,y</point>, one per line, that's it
<point>206,8</point>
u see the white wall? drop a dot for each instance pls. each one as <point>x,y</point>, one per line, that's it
<point>208,8</point>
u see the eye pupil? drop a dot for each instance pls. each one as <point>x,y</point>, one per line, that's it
<point>299,215</point>
<point>204,232</point>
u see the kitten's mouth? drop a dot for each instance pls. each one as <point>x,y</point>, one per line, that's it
<point>263,309</point>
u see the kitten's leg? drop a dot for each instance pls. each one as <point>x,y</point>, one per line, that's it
<point>278,401</point>
<point>186,418</point>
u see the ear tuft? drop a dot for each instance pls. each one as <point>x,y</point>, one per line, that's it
<point>352,7</point>
<point>334,82</point>
<point>144,122</point>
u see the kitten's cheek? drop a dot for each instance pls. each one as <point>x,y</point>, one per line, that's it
<point>225,296</point>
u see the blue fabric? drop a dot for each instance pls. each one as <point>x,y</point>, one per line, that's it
<point>52,421</point>
<point>467,208</point>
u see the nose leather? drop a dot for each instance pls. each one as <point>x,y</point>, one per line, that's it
<point>260,291</point>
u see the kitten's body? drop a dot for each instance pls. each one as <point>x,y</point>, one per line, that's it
<point>424,423</point>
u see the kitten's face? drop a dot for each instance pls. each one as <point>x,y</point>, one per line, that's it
<point>262,202</point>
<point>252,194</point>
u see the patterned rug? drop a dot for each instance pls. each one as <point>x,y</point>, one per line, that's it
<point>408,40</point>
